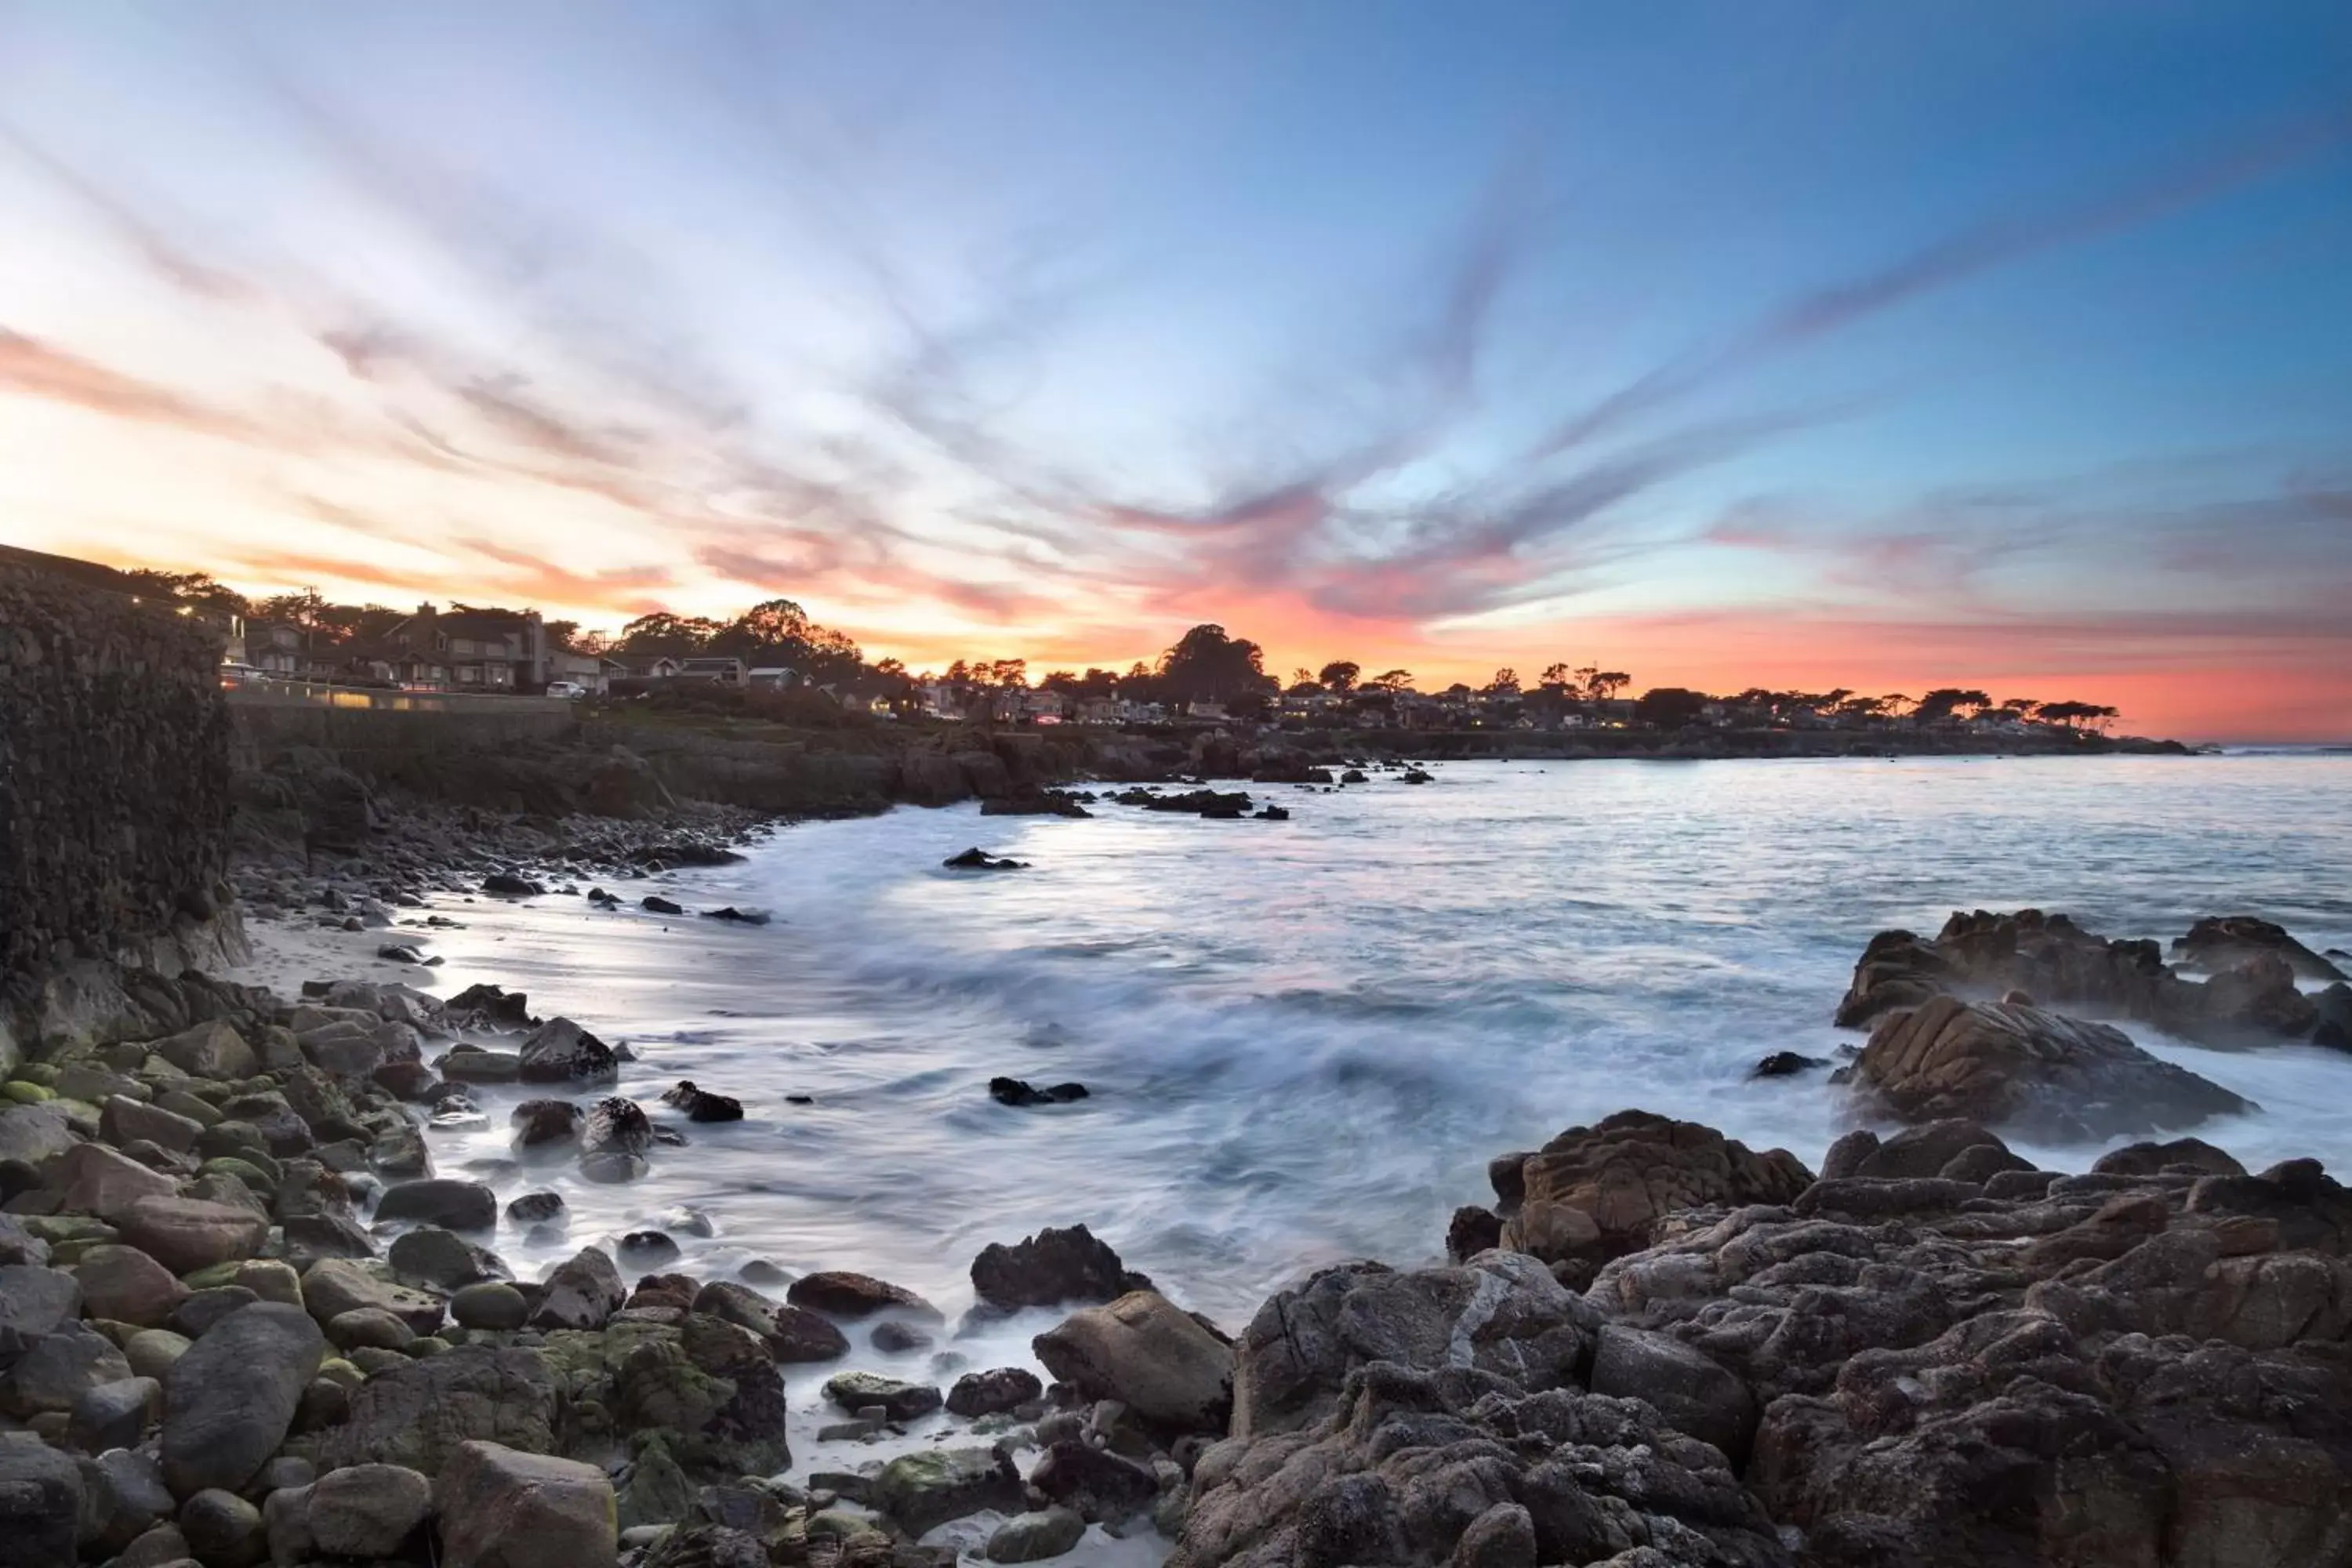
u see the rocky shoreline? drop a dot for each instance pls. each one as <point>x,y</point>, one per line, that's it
<point>243,1317</point>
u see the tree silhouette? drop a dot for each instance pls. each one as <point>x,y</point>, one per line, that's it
<point>1340,675</point>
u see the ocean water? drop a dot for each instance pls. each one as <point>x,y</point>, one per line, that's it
<point>1304,1039</point>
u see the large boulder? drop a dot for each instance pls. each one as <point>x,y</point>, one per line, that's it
<point>93,1179</point>
<point>561,1051</point>
<point>1465,1467</point>
<point>125,1285</point>
<point>35,1135</point>
<point>1143,1351</point>
<point>230,1401</point>
<point>927,1490</point>
<point>1502,1313</point>
<point>1051,1269</point>
<point>334,1285</point>
<point>501,1509</point>
<point>582,1292</point>
<point>846,1295</point>
<point>418,1415</point>
<point>367,1510</point>
<point>34,1303</point>
<point>213,1049</point>
<point>1594,1193</point>
<point>2042,1075</point>
<point>40,1503</point>
<point>2224,941</point>
<point>56,1373</point>
<point>446,1201</point>
<point>184,1235</point>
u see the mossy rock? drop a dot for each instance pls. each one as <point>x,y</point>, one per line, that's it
<point>25,1092</point>
<point>245,1170</point>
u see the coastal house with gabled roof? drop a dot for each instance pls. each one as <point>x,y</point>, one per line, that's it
<point>719,670</point>
<point>484,650</point>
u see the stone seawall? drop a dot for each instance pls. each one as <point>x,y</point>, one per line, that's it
<point>114,778</point>
<point>376,739</point>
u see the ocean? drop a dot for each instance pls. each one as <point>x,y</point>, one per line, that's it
<point>1304,1039</point>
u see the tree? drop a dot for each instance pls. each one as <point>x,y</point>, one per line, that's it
<point>303,608</point>
<point>2022,707</point>
<point>1556,678</point>
<point>1391,681</point>
<point>1505,684</point>
<point>1340,675</point>
<point>662,634</point>
<point>1669,707</point>
<point>1945,702</point>
<point>1207,666</point>
<point>1605,684</point>
<point>199,589</point>
<point>2074,715</point>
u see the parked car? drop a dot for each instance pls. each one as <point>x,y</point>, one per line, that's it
<point>238,674</point>
<point>566,689</point>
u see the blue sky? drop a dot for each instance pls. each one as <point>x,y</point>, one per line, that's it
<point>1728,344</point>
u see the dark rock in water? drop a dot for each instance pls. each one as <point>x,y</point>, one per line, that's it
<point>897,1399</point>
<point>2224,941</point>
<point>649,1248</point>
<point>994,1392</point>
<point>656,904</point>
<point>1415,776</point>
<point>539,1121</point>
<point>400,952</point>
<point>979,859</point>
<point>1051,1267</point>
<point>2049,1076</point>
<point>532,1208</point>
<point>1033,803</point>
<point>847,1295</point>
<point>895,1338</point>
<point>581,1293</point>
<point>561,1051</point>
<point>610,1167</point>
<point>443,1261</point>
<point>603,899</point>
<point>739,917</point>
<point>922,1492</point>
<point>506,884</point>
<point>1353,776</point>
<point>1785,1064</point>
<point>1272,813</point>
<point>701,1106</point>
<point>1216,805</point>
<point>615,1125</point>
<point>2332,1010</point>
<point>441,1201</point>
<point>492,1004</point>
<point>1472,1230</point>
<point>1021,1093</point>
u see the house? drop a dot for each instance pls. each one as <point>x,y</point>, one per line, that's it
<point>590,672</point>
<point>484,650</point>
<point>645,666</point>
<point>771,677</point>
<point>279,648</point>
<point>1044,706</point>
<point>717,672</point>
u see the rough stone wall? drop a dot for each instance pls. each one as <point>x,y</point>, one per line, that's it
<point>114,778</point>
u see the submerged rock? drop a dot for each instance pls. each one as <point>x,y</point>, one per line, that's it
<point>1049,1269</point>
<point>700,1105</point>
<point>1020,1093</point>
<point>979,859</point>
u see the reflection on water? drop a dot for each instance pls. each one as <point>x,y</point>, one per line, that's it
<point>1305,1038</point>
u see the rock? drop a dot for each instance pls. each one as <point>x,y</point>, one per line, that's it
<point>1594,1193</point>
<point>1098,1484</point>
<point>122,1120</point>
<point>561,1051</point>
<point>1034,1537</point>
<point>34,1303</point>
<point>535,1208</point>
<point>213,1049</point>
<point>91,1178</point>
<point>367,1510</point>
<point>40,1504</point>
<point>853,1296</point>
<point>418,1415</point>
<point>801,1335</point>
<point>507,885</point>
<point>616,1126</point>
<point>922,1492</point>
<point>1502,1313</point>
<point>654,903</point>
<point>56,1372</point>
<point>1785,1064</point>
<point>895,1397</point>
<point>994,1392</point>
<point>647,1248</point>
<point>739,917</point>
<point>230,1399</point>
<point>153,1353</point>
<point>334,1285</point>
<point>1693,1392</point>
<point>2048,1077</point>
<point>699,1105</point>
<point>465,1063</point>
<point>1471,1231</point>
<point>895,1338</point>
<point>124,1490</point>
<point>2181,1155</point>
<point>1141,1350</point>
<point>2225,941</point>
<point>1020,1093</point>
<point>537,1122</point>
<point>32,1135</point>
<point>492,1005</point>
<point>612,1168</point>
<point>1050,1268</point>
<point>491,1305</point>
<point>187,1234</point>
<point>125,1285</point>
<point>115,1415</point>
<point>223,1529</point>
<point>441,1201</point>
<point>370,1327</point>
<point>979,859</point>
<point>440,1260</point>
<point>1414,1464</point>
<point>501,1508</point>
<point>583,1293</point>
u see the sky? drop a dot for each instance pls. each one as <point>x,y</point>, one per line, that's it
<point>1793,345</point>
